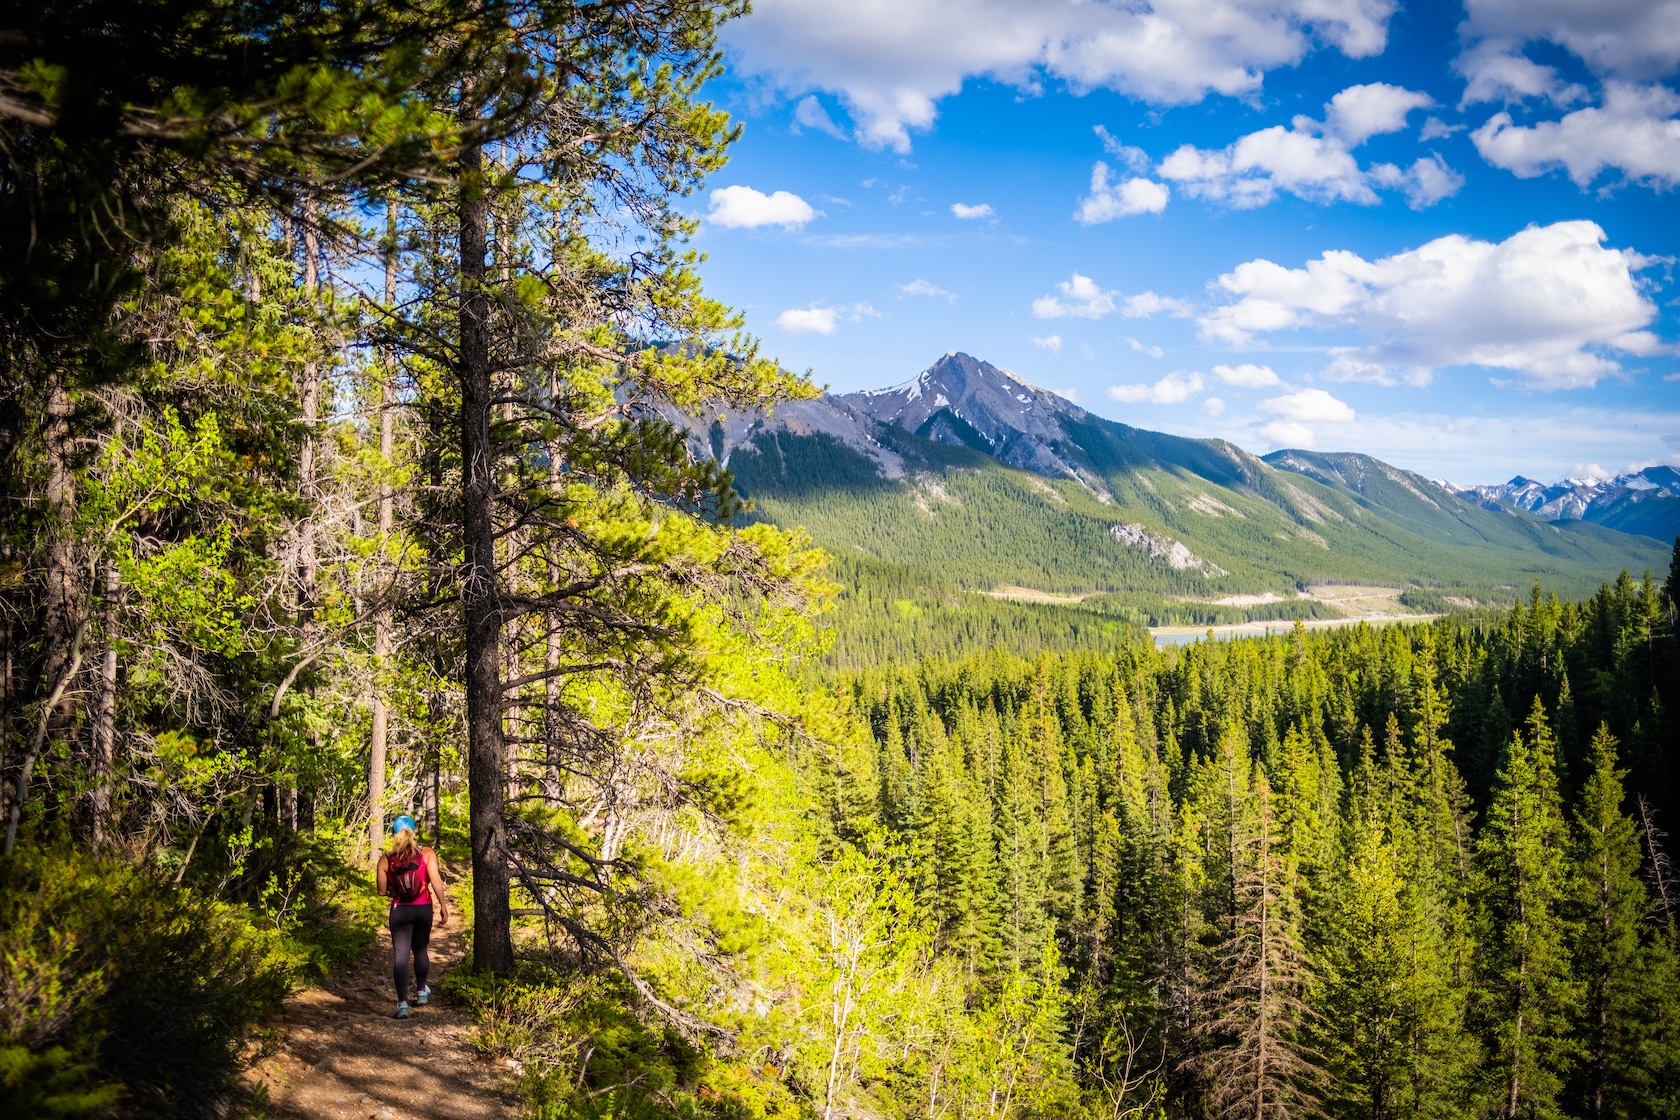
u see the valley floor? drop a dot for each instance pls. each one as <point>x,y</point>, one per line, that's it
<point>1183,635</point>
<point>1374,605</point>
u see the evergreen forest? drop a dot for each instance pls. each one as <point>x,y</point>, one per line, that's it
<point>338,345</point>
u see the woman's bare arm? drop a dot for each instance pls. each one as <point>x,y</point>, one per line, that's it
<point>379,876</point>
<point>436,881</point>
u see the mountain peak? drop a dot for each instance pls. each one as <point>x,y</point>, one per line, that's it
<point>1605,501</point>
<point>963,400</point>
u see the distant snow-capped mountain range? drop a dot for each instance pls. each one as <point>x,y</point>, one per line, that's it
<point>1645,501</point>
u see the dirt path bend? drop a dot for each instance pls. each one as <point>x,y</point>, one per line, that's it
<point>340,1056</point>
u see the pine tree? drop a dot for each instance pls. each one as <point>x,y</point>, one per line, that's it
<point>1608,905</point>
<point>1258,1064</point>
<point>1024,877</point>
<point>1525,995</point>
<point>578,537</point>
<point>1439,823</point>
<point>1360,999</point>
<point>1390,1019</point>
<point>1048,754</point>
<point>1308,782</point>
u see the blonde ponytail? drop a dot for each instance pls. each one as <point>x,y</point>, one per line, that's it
<point>405,845</point>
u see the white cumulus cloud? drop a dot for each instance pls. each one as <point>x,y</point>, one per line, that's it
<point>1287,433</point>
<point>1122,198</point>
<point>969,213</point>
<point>1628,40</point>
<point>1635,132</point>
<point>1152,351</point>
<point>1360,112</point>
<point>1309,406</point>
<point>1081,298</point>
<point>920,287</point>
<point>1313,159</point>
<point>808,320</point>
<point>1147,304</point>
<point>745,208</point>
<point>1248,376</point>
<point>1133,157</point>
<point>1214,406</point>
<point>1544,304</point>
<point>1425,183</point>
<point>1436,129</point>
<point>891,61</point>
<point>1050,342</point>
<point>1174,388</point>
<point>1630,45</point>
<point>817,319</point>
<point>809,113</point>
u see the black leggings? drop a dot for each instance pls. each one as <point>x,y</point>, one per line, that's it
<point>411,928</point>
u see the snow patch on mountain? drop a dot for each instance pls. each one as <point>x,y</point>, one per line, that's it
<point>1572,499</point>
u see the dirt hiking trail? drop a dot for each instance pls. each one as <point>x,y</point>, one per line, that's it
<point>339,1055</point>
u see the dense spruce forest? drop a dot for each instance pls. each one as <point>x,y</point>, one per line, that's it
<point>335,345</point>
<point>1334,874</point>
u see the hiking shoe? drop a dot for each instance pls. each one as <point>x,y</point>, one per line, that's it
<point>424,994</point>
<point>402,1009</point>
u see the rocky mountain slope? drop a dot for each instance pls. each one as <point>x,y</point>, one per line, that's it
<point>972,473</point>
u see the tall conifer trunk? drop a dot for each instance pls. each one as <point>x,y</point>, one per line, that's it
<point>382,617</point>
<point>63,592</point>
<point>105,717</point>
<point>480,598</point>
<point>63,623</point>
<point>308,467</point>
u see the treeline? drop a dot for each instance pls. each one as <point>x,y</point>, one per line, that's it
<point>1416,871</point>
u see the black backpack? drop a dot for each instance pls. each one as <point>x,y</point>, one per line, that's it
<point>407,879</point>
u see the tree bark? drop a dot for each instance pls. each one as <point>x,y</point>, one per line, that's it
<point>62,602</point>
<point>308,465</point>
<point>480,598</point>
<point>377,743</point>
<point>105,719</point>
<point>554,785</point>
<point>382,616</point>
<point>309,452</point>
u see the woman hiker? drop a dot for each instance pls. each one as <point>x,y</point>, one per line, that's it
<point>409,874</point>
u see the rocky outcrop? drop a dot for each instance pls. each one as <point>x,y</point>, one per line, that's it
<point>1168,551</point>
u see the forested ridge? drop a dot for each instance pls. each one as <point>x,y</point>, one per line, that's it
<point>1248,530</point>
<point>334,345</point>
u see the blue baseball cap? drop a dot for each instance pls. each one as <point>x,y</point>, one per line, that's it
<point>402,822</point>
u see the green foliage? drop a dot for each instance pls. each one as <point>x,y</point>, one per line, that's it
<point>320,904</point>
<point>150,984</point>
<point>1608,908</point>
<point>51,1086</point>
<point>1170,820</point>
<point>583,1054</point>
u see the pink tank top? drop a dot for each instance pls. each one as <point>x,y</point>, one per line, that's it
<point>424,898</point>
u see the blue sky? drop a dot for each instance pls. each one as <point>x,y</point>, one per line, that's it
<point>1444,234</point>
